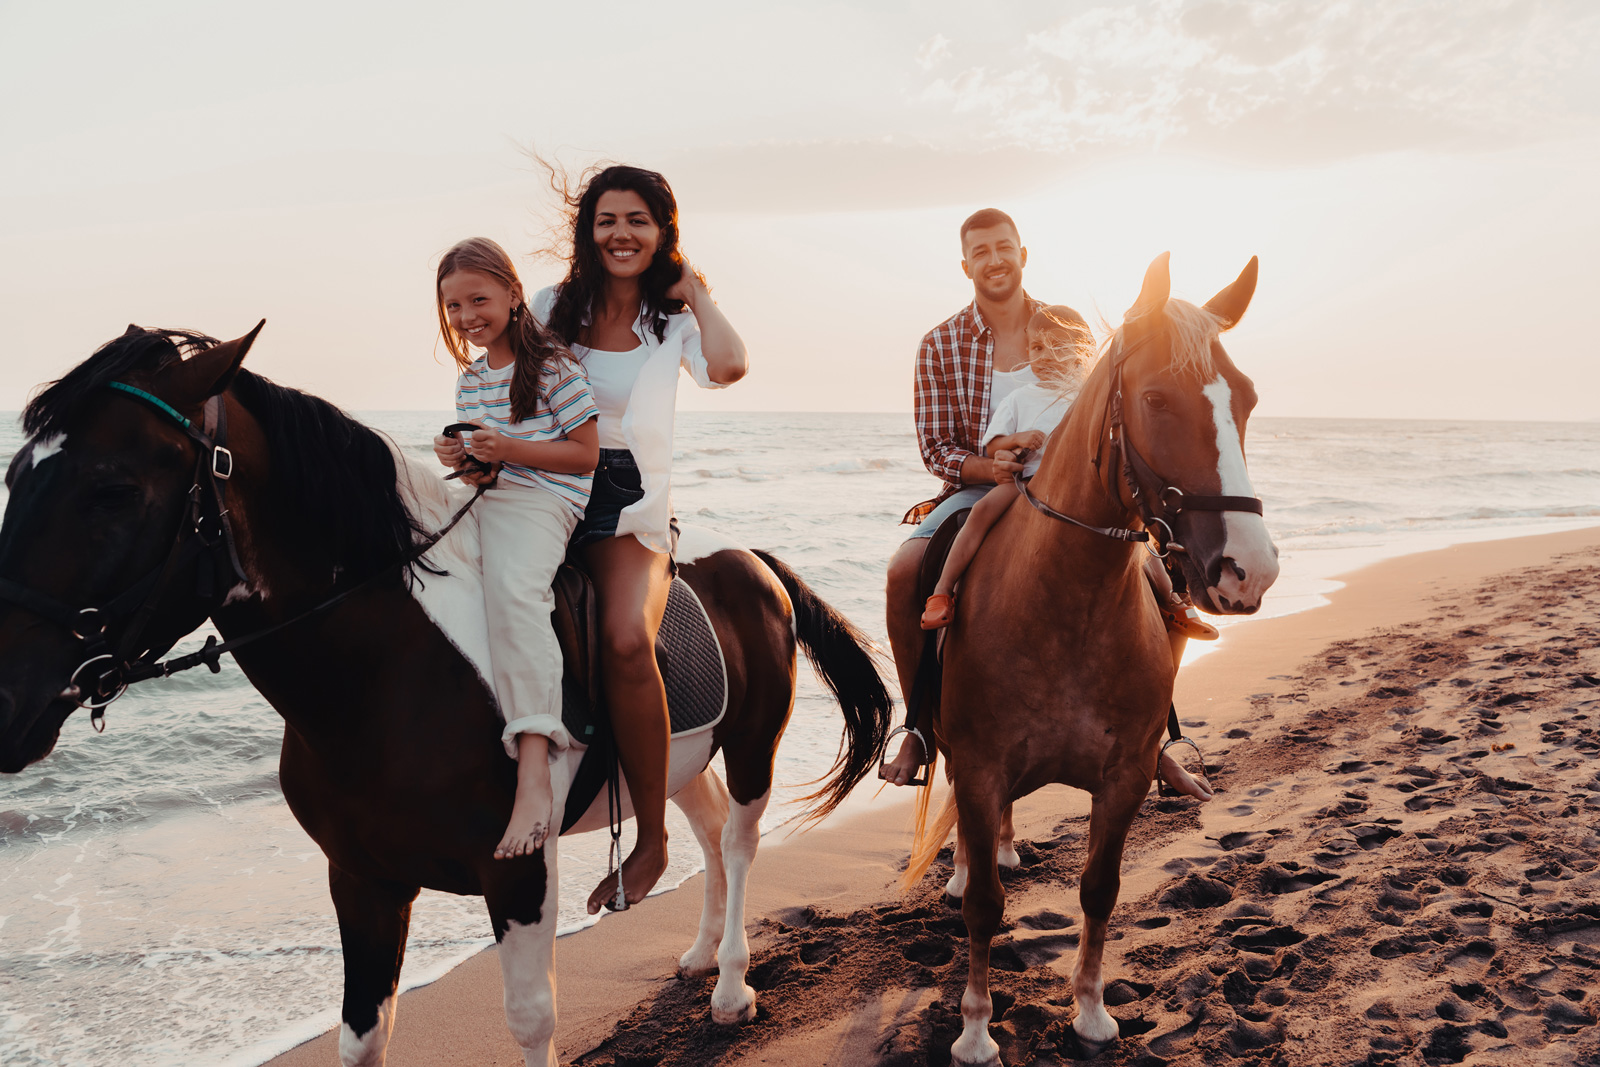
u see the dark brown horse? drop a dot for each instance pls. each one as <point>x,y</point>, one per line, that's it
<point>115,545</point>
<point>1058,668</point>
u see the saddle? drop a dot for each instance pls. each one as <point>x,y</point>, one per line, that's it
<point>687,652</point>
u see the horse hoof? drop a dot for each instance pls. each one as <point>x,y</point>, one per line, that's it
<point>992,1061</point>
<point>952,902</point>
<point>1095,1033</point>
<point>1007,859</point>
<point>736,1014</point>
<point>694,965</point>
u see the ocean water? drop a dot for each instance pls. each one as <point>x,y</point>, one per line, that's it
<point>159,906</point>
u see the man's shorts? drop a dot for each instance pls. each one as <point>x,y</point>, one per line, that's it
<point>964,497</point>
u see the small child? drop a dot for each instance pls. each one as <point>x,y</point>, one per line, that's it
<point>538,434</point>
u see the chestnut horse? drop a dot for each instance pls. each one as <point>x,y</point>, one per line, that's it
<point>157,490</point>
<point>1058,668</point>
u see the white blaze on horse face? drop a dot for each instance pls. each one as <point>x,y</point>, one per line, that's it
<point>1245,539</point>
<point>45,448</point>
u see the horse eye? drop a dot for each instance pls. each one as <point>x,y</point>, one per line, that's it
<point>1156,401</point>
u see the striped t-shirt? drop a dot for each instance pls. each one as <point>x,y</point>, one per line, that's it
<point>483,396</point>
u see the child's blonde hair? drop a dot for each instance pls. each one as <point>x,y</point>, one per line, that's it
<point>1071,345</point>
<point>531,345</point>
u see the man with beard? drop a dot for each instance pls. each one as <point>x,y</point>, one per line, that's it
<point>966,366</point>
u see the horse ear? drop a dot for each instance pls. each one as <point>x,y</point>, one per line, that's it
<point>207,373</point>
<point>1229,304</point>
<point>1157,288</point>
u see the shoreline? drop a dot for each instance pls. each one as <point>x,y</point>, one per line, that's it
<point>850,863</point>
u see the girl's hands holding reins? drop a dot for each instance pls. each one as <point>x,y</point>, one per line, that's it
<point>449,450</point>
<point>489,446</point>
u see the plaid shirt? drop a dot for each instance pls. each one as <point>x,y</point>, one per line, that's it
<point>955,367</point>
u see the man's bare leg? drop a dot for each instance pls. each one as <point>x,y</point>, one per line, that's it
<point>1171,771</point>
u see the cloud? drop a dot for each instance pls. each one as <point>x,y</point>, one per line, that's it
<point>1287,80</point>
<point>934,51</point>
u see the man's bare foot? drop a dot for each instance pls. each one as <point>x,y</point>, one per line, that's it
<point>640,872</point>
<point>903,767</point>
<point>1173,774</point>
<point>527,830</point>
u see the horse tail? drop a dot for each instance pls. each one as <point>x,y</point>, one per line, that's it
<point>842,657</point>
<point>928,841</point>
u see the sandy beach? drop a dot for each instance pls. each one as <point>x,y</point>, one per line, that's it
<point>1399,867</point>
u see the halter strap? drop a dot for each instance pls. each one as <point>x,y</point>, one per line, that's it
<point>153,400</point>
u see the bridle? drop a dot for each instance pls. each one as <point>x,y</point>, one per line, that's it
<point>108,669</point>
<point>1165,505</point>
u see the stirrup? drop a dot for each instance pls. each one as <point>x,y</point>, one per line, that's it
<point>921,741</point>
<point>621,903</point>
<point>1165,790</point>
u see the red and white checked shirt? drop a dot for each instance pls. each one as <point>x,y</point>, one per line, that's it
<point>955,368</point>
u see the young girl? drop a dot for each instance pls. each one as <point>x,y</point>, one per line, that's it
<point>537,433</point>
<point>635,313</point>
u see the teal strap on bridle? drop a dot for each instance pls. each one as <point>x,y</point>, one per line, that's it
<point>151,399</point>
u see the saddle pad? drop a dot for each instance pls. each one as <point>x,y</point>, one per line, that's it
<point>691,665</point>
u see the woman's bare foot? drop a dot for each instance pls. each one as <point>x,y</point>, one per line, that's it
<point>903,767</point>
<point>640,872</point>
<point>1173,774</point>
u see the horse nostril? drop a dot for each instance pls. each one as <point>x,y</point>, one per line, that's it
<point>1233,565</point>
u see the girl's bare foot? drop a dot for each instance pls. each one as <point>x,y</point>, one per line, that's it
<point>529,826</point>
<point>1173,774</point>
<point>530,812</point>
<point>640,872</point>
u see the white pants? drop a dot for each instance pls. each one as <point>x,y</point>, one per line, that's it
<point>524,533</point>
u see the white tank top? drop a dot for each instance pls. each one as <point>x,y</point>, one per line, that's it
<point>611,377</point>
<point>1005,383</point>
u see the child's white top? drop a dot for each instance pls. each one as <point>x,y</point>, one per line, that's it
<point>646,425</point>
<point>1030,407</point>
<point>1005,382</point>
<point>483,396</point>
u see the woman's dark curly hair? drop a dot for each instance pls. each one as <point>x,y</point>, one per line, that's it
<point>586,275</point>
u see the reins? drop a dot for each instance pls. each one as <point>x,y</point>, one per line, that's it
<point>207,531</point>
<point>1134,472</point>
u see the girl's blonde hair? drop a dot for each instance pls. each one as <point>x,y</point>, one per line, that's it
<point>1071,345</point>
<point>531,346</point>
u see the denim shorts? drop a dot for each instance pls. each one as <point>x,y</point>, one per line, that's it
<point>965,497</point>
<point>617,485</point>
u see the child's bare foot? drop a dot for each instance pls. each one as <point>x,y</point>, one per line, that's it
<point>640,872</point>
<point>903,768</point>
<point>531,811</point>
<point>1173,774</point>
<point>529,826</point>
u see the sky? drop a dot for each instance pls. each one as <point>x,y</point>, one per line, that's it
<point>1417,177</point>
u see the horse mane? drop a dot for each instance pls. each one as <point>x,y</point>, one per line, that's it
<point>1191,331</point>
<point>331,476</point>
<point>141,351</point>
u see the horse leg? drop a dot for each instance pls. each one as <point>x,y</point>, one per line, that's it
<point>373,919</point>
<point>522,895</point>
<point>1006,853</point>
<point>704,802</point>
<point>956,887</point>
<point>733,1001</point>
<point>979,811</point>
<point>1109,817</point>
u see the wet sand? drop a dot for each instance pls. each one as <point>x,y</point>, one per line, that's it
<point>1399,867</point>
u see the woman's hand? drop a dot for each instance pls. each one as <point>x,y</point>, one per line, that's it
<point>449,450</point>
<point>489,446</point>
<point>687,287</point>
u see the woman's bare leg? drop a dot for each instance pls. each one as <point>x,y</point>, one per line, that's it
<point>632,583</point>
<point>530,813</point>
